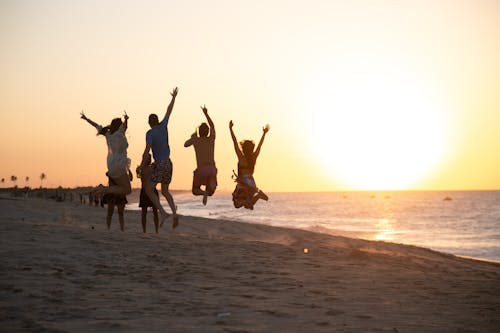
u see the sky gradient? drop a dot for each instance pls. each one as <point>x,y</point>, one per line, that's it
<point>359,94</point>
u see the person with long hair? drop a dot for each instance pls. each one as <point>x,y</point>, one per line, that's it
<point>246,192</point>
<point>117,161</point>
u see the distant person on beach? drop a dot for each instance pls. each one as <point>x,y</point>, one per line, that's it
<point>161,169</point>
<point>144,172</point>
<point>117,161</point>
<point>112,200</point>
<point>246,192</point>
<point>203,141</point>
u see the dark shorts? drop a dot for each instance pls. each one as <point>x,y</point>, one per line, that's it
<point>205,175</point>
<point>144,201</point>
<point>161,172</point>
<point>113,199</point>
<point>243,194</point>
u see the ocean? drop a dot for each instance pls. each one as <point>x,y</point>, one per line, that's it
<point>465,223</point>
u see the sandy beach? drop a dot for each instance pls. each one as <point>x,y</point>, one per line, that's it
<point>62,271</point>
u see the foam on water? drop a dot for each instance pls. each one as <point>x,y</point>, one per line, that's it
<point>468,224</point>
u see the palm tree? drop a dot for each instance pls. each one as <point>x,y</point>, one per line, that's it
<point>42,177</point>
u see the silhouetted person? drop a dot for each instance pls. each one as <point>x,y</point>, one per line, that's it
<point>117,161</point>
<point>204,146</point>
<point>112,200</point>
<point>161,169</point>
<point>246,192</point>
<point>144,172</point>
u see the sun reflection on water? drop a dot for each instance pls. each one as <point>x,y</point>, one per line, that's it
<point>384,230</point>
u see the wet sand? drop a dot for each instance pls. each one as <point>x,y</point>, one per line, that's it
<point>62,271</point>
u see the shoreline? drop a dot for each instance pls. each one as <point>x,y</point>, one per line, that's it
<point>62,271</point>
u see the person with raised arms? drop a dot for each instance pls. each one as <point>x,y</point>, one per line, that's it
<point>203,141</point>
<point>161,169</point>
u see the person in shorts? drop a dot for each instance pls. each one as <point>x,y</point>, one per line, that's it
<point>161,169</point>
<point>114,200</point>
<point>203,141</point>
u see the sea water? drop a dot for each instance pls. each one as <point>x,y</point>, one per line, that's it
<point>465,223</point>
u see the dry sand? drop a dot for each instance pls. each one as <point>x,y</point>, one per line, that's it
<point>62,271</point>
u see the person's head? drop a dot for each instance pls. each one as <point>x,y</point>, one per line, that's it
<point>139,169</point>
<point>153,120</point>
<point>203,130</point>
<point>115,125</point>
<point>247,147</point>
<point>111,128</point>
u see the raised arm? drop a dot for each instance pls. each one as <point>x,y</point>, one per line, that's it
<point>210,122</point>
<point>265,129</point>
<point>84,117</point>
<point>171,105</point>
<point>125,122</point>
<point>235,141</point>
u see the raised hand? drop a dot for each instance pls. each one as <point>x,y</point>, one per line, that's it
<point>266,128</point>
<point>83,116</point>
<point>231,124</point>
<point>204,108</point>
<point>174,92</point>
<point>125,115</point>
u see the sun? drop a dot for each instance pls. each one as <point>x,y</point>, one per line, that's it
<point>377,130</point>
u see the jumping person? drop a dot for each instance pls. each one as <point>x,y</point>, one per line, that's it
<point>246,192</point>
<point>203,141</point>
<point>112,200</point>
<point>161,169</point>
<point>117,161</point>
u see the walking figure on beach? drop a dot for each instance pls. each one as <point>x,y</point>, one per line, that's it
<point>161,169</point>
<point>144,172</point>
<point>203,141</point>
<point>246,192</point>
<point>117,161</point>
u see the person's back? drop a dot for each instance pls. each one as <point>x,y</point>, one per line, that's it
<point>157,137</point>
<point>161,169</point>
<point>204,149</point>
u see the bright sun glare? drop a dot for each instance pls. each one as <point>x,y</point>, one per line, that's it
<point>377,130</point>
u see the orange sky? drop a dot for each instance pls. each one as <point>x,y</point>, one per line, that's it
<point>359,94</point>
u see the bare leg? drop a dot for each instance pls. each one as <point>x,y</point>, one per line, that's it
<point>155,217</point>
<point>205,196</point>
<point>143,218</point>
<point>123,185</point>
<point>171,203</point>
<point>121,210</point>
<point>210,188</point>
<point>109,216</point>
<point>198,191</point>
<point>149,188</point>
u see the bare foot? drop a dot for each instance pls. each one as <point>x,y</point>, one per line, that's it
<point>262,195</point>
<point>205,197</point>
<point>175,223</point>
<point>163,217</point>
